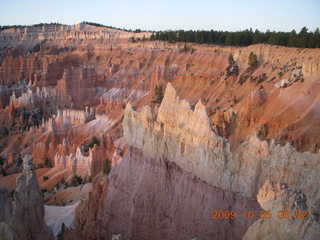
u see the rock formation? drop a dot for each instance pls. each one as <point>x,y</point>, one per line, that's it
<point>23,212</point>
<point>179,159</point>
<point>184,136</point>
<point>158,201</point>
<point>291,216</point>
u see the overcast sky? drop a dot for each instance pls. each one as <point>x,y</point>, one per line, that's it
<point>278,15</point>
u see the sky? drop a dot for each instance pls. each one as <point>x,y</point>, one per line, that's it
<point>228,15</point>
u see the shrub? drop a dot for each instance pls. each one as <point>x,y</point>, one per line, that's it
<point>106,166</point>
<point>76,180</point>
<point>2,160</point>
<point>47,163</point>
<point>159,94</point>
<point>132,39</point>
<point>232,68</point>
<point>262,78</point>
<point>94,141</point>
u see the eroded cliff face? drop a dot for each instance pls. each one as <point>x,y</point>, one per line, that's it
<point>149,198</point>
<point>177,167</point>
<point>24,211</point>
<point>184,136</point>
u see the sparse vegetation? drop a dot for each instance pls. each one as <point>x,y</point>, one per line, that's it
<point>231,60</point>
<point>235,100</point>
<point>187,48</point>
<point>159,94</point>
<point>62,230</point>
<point>2,160</point>
<point>232,68</point>
<point>76,180</point>
<point>132,39</point>
<point>47,163</point>
<point>106,166</point>
<point>94,141</point>
<point>43,190</point>
<point>262,78</point>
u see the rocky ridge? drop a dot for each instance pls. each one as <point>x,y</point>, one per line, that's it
<point>184,136</point>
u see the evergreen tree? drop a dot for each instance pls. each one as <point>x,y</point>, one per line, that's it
<point>292,39</point>
<point>242,38</point>
<point>231,60</point>
<point>253,60</point>
<point>303,37</point>
<point>316,37</point>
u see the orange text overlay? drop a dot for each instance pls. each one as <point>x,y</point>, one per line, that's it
<point>282,214</point>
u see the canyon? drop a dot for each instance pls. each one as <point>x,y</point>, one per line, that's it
<point>128,138</point>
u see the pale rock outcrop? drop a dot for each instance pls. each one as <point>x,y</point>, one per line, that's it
<point>77,163</point>
<point>277,198</point>
<point>61,32</point>
<point>65,120</point>
<point>146,198</point>
<point>74,117</point>
<point>85,164</point>
<point>223,122</point>
<point>56,216</point>
<point>255,99</point>
<point>23,218</point>
<point>184,136</point>
<point>295,75</point>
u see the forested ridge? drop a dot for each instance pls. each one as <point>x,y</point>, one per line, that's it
<point>304,39</point>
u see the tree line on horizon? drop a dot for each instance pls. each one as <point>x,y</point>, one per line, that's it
<point>4,27</point>
<point>303,39</point>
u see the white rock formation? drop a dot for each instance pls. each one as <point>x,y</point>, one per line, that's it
<point>185,137</point>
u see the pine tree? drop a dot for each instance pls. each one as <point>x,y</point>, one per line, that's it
<point>253,60</point>
<point>231,60</point>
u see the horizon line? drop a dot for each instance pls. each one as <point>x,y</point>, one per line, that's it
<point>144,30</point>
